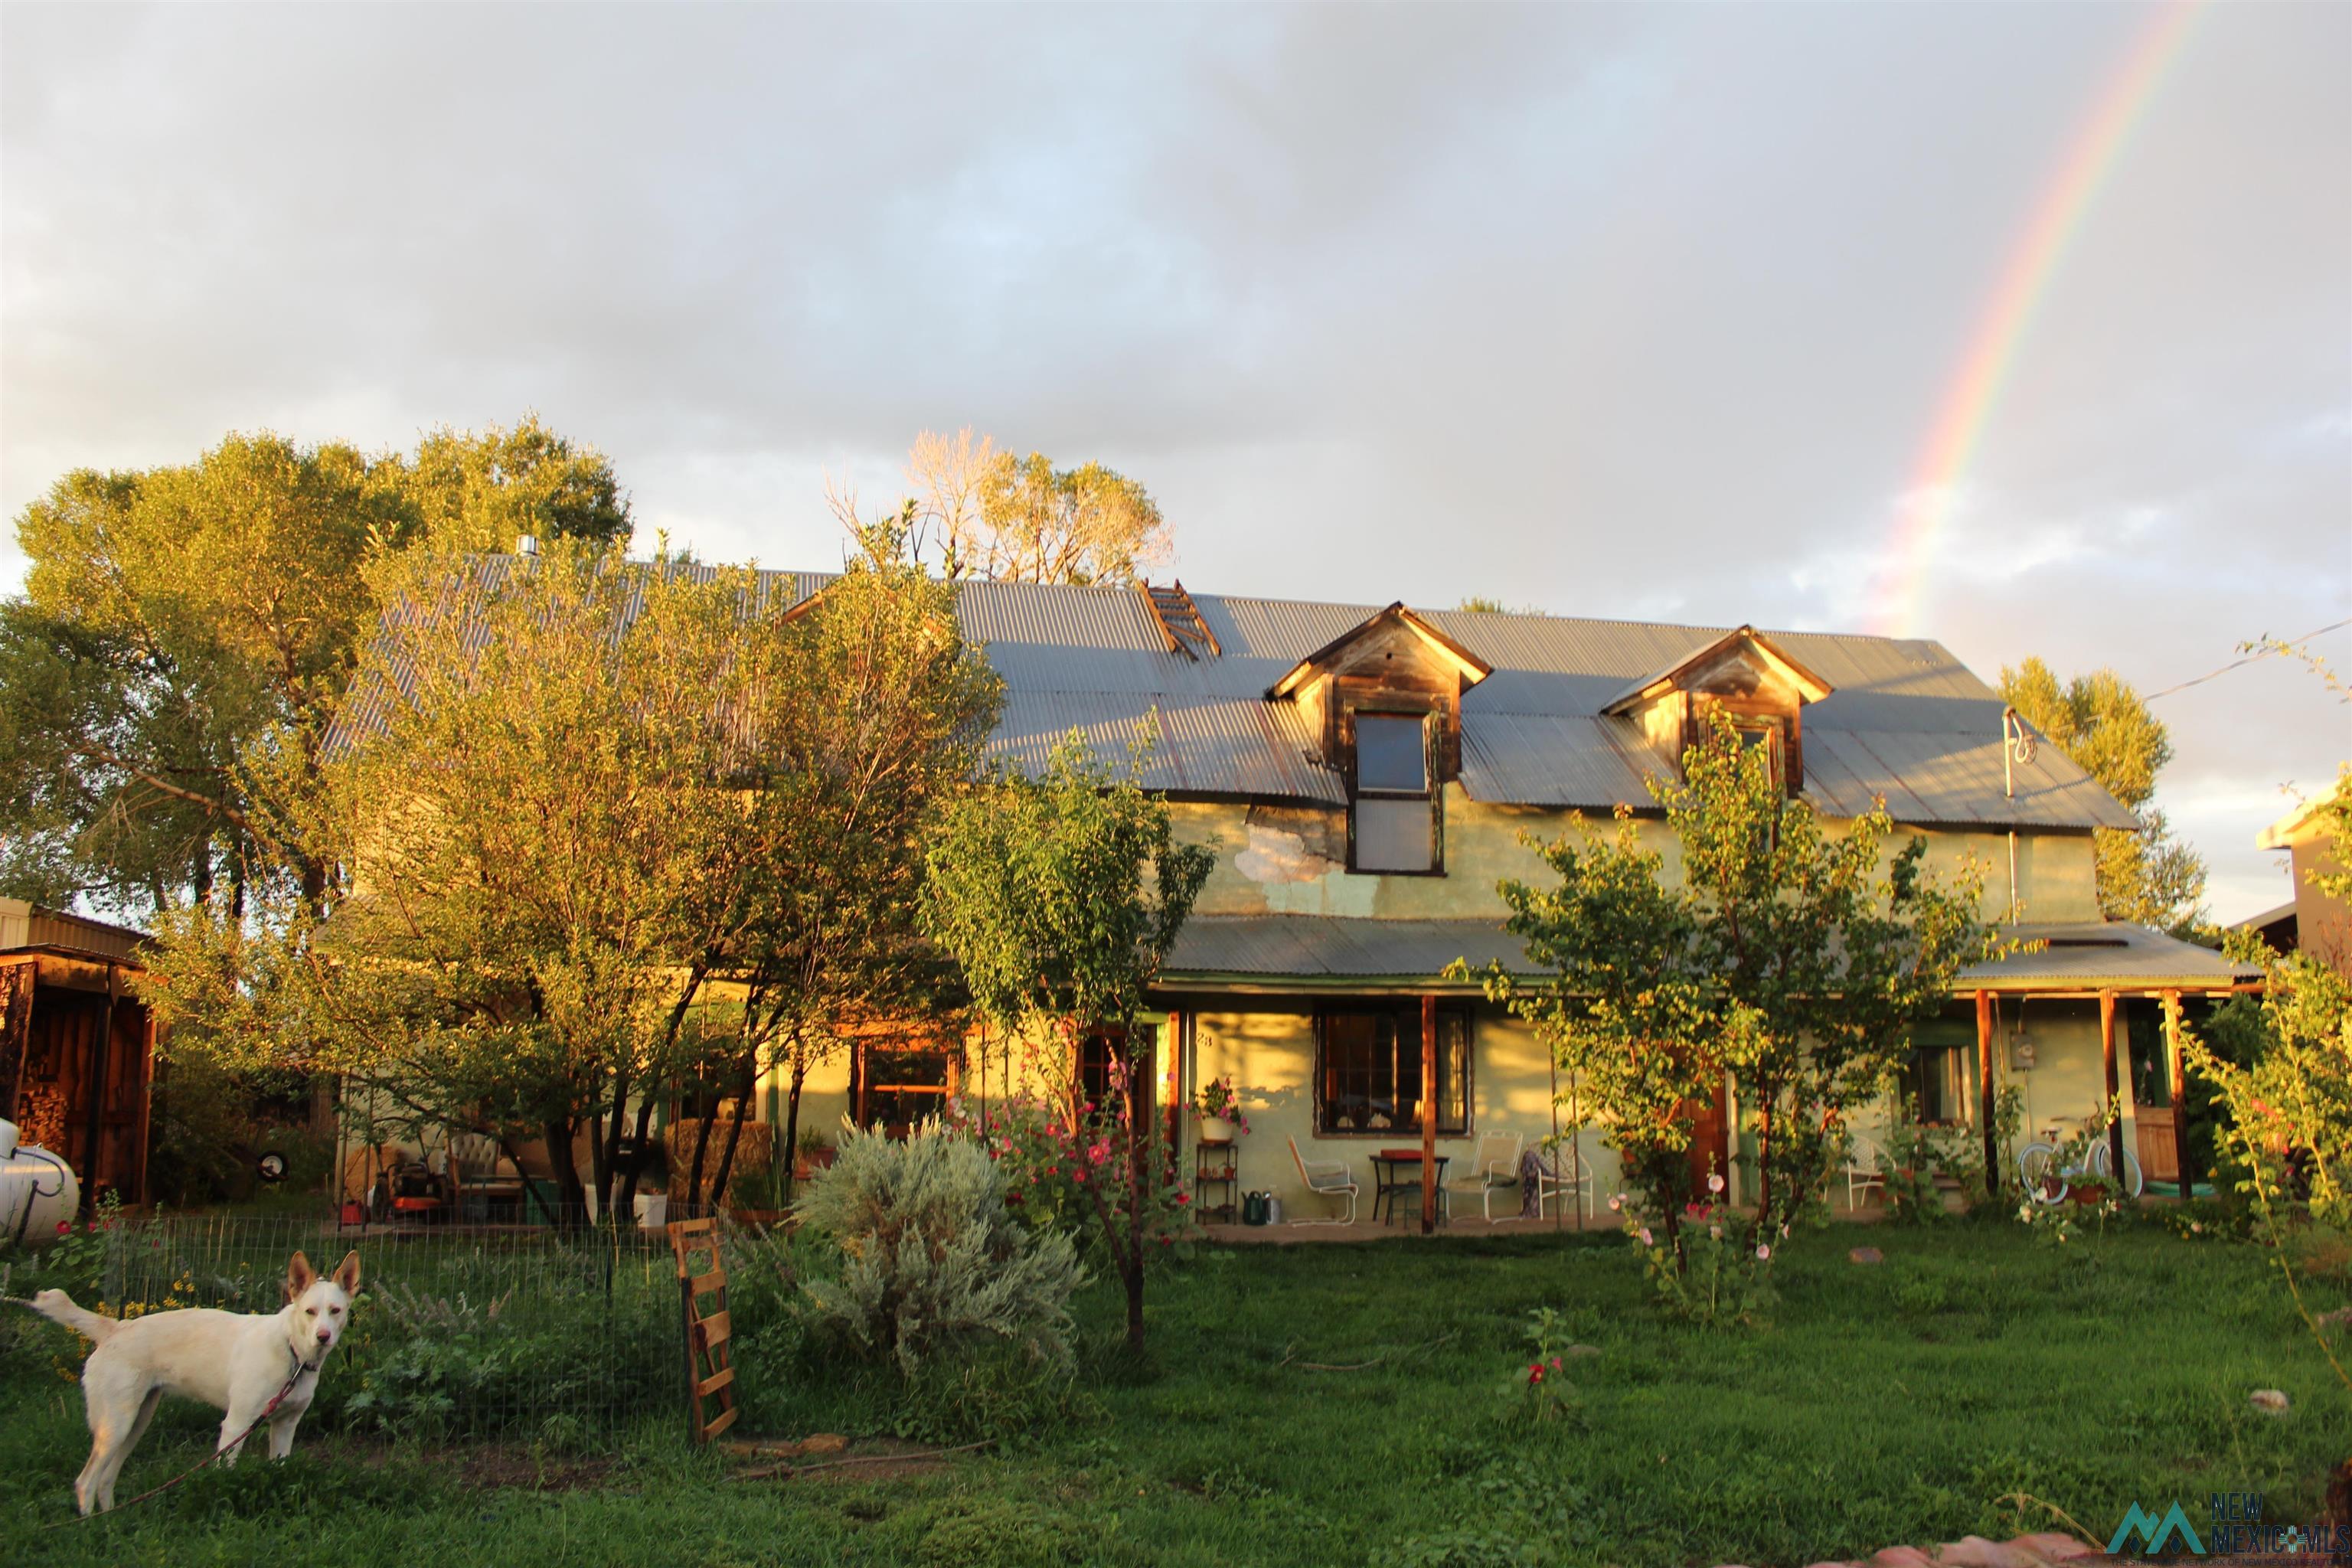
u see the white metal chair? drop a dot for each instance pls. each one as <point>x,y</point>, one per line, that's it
<point>1495,1167</point>
<point>1563,1172</point>
<point>1326,1178</point>
<point>1865,1168</point>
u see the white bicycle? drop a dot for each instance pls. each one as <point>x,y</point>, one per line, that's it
<point>2049,1175</point>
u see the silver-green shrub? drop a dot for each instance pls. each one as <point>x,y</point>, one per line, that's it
<point>931,1260</point>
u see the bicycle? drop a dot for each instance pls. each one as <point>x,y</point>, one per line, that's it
<point>2048,1175</point>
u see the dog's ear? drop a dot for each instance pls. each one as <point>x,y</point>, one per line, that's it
<point>347,1273</point>
<point>299,1277</point>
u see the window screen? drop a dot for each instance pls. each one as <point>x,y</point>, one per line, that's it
<point>1390,754</point>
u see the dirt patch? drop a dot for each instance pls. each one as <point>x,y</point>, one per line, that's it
<point>867,1459</point>
<point>477,1466</point>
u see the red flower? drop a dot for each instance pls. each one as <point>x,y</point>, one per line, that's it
<point>1183,1198</point>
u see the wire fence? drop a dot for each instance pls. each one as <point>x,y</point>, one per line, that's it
<point>561,1337</point>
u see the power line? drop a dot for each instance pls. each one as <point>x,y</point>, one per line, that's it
<point>2249,658</point>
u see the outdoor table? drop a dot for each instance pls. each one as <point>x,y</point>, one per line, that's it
<point>1394,1162</point>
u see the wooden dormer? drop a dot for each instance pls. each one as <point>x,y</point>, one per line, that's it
<point>1385,703</point>
<point>1743,673</point>
<point>1394,662</point>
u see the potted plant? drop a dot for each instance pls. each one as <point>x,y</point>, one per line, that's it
<point>813,1155</point>
<point>1219,1110</point>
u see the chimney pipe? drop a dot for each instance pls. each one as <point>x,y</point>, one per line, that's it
<point>526,544</point>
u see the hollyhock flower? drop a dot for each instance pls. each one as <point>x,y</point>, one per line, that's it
<point>1714,1233</point>
<point>1184,1197</point>
<point>1715,1184</point>
<point>1763,1253</point>
<point>1616,1202</point>
<point>1534,1373</point>
<point>1644,1234</point>
<point>1555,1363</point>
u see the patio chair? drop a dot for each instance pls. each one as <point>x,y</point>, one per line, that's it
<point>1561,1173</point>
<point>1326,1178</point>
<point>1865,1167</point>
<point>1494,1167</point>
<point>474,1161</point>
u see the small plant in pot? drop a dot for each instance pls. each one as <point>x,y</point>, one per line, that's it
<point>814,1155</point>
<point>1219,1110</point>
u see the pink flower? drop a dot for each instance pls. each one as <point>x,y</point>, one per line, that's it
<point>1714,1233</point>
<point>1616,1202</point>
<point>1715,1184</point>
<point>1644,1234</point>
<point>1763,1253</point>
<point>1555,1363</point>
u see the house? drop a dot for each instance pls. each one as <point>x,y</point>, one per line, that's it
<point>1364,777</point>
<point>2312,922</point>
<point>76,1047</point>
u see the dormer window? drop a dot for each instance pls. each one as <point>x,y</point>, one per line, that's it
<point>1391,810</point>
<point>1742,674</point>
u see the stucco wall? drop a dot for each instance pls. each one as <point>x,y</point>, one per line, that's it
<point>1292,861</point>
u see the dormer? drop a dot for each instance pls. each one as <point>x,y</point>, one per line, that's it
<point>1384,701</point>
<point>1742,673</point>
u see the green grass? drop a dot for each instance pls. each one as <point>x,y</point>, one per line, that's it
<point>1899,1402</point>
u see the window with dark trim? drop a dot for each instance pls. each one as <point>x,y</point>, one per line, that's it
<point>1392,807</point>
<point>1096,1053</point>
<point>900,1085</point>
<point>1933,1080</point>
<point>1368,1069</point>
<point>1765,735</point>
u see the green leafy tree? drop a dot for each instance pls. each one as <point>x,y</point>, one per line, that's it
<point>986,512</point>
<point>1796,958</point>
<point>186,632</point>
<point>1060,896</point>
<point>2144,875</point>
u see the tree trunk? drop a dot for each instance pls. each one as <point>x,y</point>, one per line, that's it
<point>628,1202</point>
<point>789,1153</point>
<point>705,1106</point>
<point>1138,1151</point>
<point>749,1084</point>
<point>570,1195</point>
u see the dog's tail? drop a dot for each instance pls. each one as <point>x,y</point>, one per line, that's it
<point>59,1308</point>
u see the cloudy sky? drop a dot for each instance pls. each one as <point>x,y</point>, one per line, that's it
<point>1648,312</point>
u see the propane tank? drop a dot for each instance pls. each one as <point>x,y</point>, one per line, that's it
<point>38,1191</point>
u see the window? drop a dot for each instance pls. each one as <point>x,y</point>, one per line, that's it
<point>899,1086</point>
<point>1765,734</point>
<point>1391,821</point>
<point>1935,1079</point>
<point>1368,1070</point>
<point>1096,1056</point>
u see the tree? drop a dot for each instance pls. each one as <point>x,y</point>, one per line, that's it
<point>2145,875</point>
<point>185,632</point>
<point>872,709</point>
<point>1795,958</point>
<point>1060,898</point>
<point>526,817</point>
<point>989,513</point>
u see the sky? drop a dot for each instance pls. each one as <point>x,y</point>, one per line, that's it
<point>1649,312</point>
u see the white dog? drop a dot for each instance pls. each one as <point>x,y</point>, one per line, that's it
<point>236,1360</point>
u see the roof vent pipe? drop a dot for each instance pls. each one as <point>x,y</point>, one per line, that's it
<point>526,544</point>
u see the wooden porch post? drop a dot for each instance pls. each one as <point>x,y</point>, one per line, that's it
<point>2179,1088</point>
<point>2114,1112</point>
<point>15,1033</point>
<point>1428,1114</point>
<point>1985,1094</point>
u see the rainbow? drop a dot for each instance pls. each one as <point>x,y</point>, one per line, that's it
<point>2057,216</point>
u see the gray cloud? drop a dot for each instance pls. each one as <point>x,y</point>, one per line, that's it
<point>1617,311</point>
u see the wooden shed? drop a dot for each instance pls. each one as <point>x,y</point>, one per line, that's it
<point>77,1049</point>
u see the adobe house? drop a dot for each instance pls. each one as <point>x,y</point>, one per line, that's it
<point>1364,776</point>
<point>77,1049</point>
<point>2311,922</point>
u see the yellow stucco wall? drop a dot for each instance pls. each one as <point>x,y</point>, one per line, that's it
<point>1267,866</point>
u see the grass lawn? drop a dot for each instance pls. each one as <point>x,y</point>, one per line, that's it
<point>1896,1403</point>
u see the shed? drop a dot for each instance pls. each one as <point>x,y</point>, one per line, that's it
<point>77,1049</point>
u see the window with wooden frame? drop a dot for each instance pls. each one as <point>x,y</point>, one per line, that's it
<point>1392,804</point>
<point>1096,1056</point>
<point>900,1083</point>
<point>1934,1079</point>
<point>1769,735</point>
<point>1368,1069</point>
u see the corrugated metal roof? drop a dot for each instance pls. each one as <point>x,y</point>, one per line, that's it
<point>1905,720</point>
<point>27,925</point>
<point>2105,955</point>
<point>1246,948</point>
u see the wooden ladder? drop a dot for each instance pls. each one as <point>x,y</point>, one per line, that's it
<point>702,1309</point>
<point>1179,621</point>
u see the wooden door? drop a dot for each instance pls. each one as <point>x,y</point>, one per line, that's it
<point>1710,1146</point>
<point>2153,1133</point>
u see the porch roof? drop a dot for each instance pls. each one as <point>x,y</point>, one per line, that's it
<point>1305,953</point>
<point>2105,955</point>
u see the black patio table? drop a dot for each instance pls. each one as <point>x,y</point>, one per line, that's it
<point>1393,1161</point>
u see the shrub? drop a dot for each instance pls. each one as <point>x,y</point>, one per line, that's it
<point>931,1260</point>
